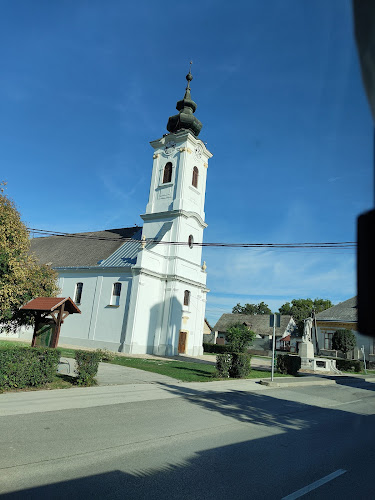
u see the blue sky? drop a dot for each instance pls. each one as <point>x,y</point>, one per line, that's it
<point>86,85</point>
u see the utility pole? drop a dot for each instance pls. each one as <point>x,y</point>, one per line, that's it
<point>273,319</point>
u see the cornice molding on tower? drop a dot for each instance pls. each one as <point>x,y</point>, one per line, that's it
<point>179,138</point>
<point>173,214</point>
<point>169,277</point>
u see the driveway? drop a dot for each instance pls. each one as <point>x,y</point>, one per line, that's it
<point>109,374</point>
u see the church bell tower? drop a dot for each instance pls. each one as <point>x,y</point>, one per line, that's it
<point>168,296</point>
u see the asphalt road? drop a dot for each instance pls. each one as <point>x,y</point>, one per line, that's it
<point>179,442</point>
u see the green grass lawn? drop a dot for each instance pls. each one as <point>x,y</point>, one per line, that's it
<point>12,343</point>
<point>182,370</point>
<point>252,355</point>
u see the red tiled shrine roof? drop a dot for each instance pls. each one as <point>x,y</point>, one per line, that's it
<point>50,304</point>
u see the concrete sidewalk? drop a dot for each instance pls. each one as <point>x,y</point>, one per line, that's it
<point>161,387</point>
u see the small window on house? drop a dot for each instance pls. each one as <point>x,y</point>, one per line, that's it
<point>328,341</point>
<point>167,177</point>
<point>195,177</point>
<point>186,297</point>
<point>78,293</point>
<point>191,241</point>
<point>116,292</point>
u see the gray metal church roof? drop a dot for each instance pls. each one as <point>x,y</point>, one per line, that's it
<point>88,249</point>
<point>345,311</point>
<point>259,323</point>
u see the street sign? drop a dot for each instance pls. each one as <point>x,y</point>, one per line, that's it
<point>277,320</point>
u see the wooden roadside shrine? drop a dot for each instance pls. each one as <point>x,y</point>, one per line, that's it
<point>49,313</point>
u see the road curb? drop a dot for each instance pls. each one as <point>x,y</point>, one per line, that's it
<point>297,383</point>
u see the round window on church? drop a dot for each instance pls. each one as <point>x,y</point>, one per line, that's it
<point>191,241</point>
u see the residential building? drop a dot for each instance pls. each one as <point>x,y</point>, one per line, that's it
<point>342,316</point>
<point>258,323</point>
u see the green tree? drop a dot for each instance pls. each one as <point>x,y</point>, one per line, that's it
<point>239,337</point>
<point>21,278</point>
<point>260,308</point>
<point>343,340</point>
<point>301,309</point>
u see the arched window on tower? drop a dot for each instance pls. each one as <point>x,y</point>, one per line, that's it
<point>186,297</point>
<point>167,176</point>
<point>195,177</point>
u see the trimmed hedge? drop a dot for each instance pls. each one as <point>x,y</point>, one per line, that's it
<point>223,364</point>
<point>288,364</point>
<point>240,365</point>
<point>219,349</point>
<point>105,355</point>
<point>349,365</point>
<point>233,365</point>
<point>22,367</point>
<point>87,366</point>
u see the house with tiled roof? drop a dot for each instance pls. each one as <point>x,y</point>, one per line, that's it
<point>342,316</point>
<point>138,291</point>
<point>260,324</point>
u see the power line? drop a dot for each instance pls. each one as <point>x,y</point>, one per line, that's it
<point>319,245</point>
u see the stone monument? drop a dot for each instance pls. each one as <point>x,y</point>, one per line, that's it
<point>310,364</point>
<point>306,347</point>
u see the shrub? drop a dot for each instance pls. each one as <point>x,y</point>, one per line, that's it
<point>215,348</point>
<point>343,340</point>
<point>105,354</point>
<point>239,337</point>
<point>22,367</point>
<point>87,367</point>
<point>223,365</point>
<point>240,367</point>
<point>348,365</point>
<point>288,364</point>
<point>235,365</point>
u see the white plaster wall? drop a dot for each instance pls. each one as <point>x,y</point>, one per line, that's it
<point>99,323</point>
<point>145,313</point>
<point>178,317</point>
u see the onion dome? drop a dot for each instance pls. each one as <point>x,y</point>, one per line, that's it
<point>185,120</point>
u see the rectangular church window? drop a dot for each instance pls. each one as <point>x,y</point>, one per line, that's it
<point>78,293</point>
<point>116,292</point>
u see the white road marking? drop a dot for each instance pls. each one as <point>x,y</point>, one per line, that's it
<point>313,486</point>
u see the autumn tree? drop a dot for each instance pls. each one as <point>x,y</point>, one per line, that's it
<point>21,277</point>
<point>260,308</point>
<point>301,309</point>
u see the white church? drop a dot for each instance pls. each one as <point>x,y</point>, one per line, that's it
<point>143,289</point>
